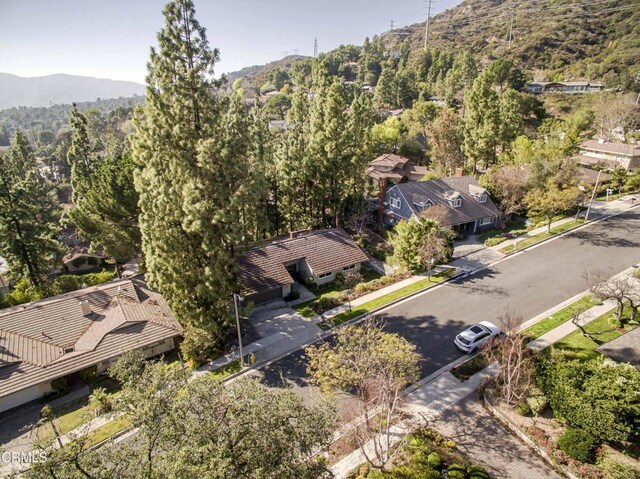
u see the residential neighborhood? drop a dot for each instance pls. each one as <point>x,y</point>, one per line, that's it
<point>412,256</point>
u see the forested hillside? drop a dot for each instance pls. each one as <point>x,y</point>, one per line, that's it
<point>550,40</point>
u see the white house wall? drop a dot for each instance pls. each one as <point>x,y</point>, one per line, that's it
<point>24,396</point>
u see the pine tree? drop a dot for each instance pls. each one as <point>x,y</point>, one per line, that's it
<point>79,155</point>
<point>446,143</point>
<point>29,214</point>
<point>481,122</point>
<point>186,175</point>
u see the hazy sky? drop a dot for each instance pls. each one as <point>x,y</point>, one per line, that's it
<point>111,38</point>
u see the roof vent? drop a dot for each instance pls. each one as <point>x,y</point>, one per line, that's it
<point>601,141</point>
<point>86,308</point>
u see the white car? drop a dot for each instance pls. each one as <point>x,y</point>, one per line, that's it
<point>472,338</point>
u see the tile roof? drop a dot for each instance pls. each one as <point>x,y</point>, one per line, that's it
<point>437,191</point>
<point>625,149</point>
<point>263,268</point>
<point>389,159</point>
<point>53,337</point>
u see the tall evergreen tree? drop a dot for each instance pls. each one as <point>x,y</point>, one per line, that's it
<point>29,214</point>
<point>186,176</point>
<point>481,122</point>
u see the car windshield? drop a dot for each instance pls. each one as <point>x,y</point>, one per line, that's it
<point>463,340</point>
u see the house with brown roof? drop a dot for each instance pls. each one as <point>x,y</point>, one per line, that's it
<point>468,206</point>
<point>58,337</point>
<point>315,256</point>
<point>565,87</point>
<point>609,154</point>
<point>395,168</point>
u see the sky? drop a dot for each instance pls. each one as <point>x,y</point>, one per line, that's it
<point>111,38</point>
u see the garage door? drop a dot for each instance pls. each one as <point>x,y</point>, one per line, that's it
<point>265,296</point>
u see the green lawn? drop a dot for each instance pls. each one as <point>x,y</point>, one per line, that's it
<point>225,371</point>
<point>67,418</point>
<point>387,298</point>
<point>524,243</point>
<point>511,226</point>
<point>584,347</point>
<point>104,432</point>
<point>560,317</point>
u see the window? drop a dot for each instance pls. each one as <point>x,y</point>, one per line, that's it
<point>68,350</point>
<point>457,203</point>
<point>481,198</point>
<point>486,221</point>
<point>324,275</point>
<point>349,268</point>
<point>394,202</point>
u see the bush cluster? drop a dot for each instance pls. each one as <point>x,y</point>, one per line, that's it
<point>578,444</point>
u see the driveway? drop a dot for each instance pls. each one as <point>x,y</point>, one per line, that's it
<point>471,255</point>
<point>486,442</point>
<point>278,328</point>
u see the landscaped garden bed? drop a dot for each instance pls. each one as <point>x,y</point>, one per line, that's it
<point>425,454</point>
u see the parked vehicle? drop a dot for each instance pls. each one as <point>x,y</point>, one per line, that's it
<point>474,337</point>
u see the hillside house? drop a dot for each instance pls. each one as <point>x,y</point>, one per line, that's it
<point>564,87</point>
<point>609,155</point>
<point>469,207</point>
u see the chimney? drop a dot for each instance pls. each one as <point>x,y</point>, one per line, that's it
<point>601,141</point>
<point>86,308</point>
<point>292,234</point>
<point>382,190</point>
<point>459,172</point>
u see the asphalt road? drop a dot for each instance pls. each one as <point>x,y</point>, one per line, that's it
<point>528,283</point>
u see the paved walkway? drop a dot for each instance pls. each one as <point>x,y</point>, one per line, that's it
<point>486,442</point>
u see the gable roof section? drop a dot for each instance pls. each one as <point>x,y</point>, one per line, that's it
<point>439,192</point>
<point>36,338</point>
<point>625,149</point>
<point>624,349</point>
<point>263,268</point>
<point>390,160</point>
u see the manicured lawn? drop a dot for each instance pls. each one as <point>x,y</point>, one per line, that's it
<point>386,299</point>
<point>68,417</point>
<point>225,371</point>
<point>586,348</point>
<point>104,432</point>
<point>511,225</point>
<point>560,317</point>
<point>525,242</point>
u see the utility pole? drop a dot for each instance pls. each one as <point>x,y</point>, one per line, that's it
<point>593,195</point>
<point>315,48</point>
<point>392,24</point>
<point>426,27</point>
<point>512,11</point>
<point>236,299</point>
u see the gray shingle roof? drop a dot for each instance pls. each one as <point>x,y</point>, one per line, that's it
<point>53,337</point>
<point>437,191</point>
<point>626,149</point>
<point>324,251</point>
<point>624,349</point>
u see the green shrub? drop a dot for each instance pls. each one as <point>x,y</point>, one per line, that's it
<point>362,288</point>
<point>578,444</point>
<point>60,385</point>
<point>198,345</point>
<point>325,303</point>
<point>434,460</point>
<point>613,469</point>
<point>90,373</point>
<point>495,240</point>
<point>537,401</point>
<point>523,409</point>
<point>100,277</point>
<point>292,296</point>
<point>375,474</point>
<point>477,472</point>
<point>456,471</point>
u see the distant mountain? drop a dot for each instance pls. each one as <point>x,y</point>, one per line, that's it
<point>60,88</point>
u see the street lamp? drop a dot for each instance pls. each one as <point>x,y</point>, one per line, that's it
<point>236,299</point>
